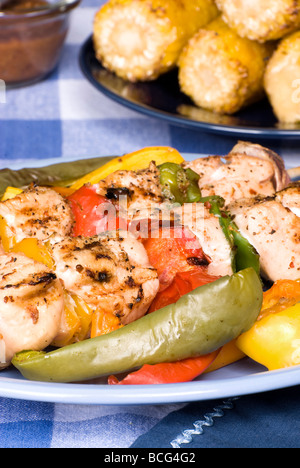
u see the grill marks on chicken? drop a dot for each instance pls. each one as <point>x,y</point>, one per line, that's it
<point>37,212</point>
<point>111,273</point>
<point>133,191</point>
<point>31,299</point>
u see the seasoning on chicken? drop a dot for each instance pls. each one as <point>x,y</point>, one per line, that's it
<point>36,212</point>
<point>32,302</point>
<point>134,194</point>
<point>206,227</point>
<point>247,171</point>
<point>282,79</point>
<point>274,231</point>
<point>141,39</point>
<point>260,20</point>
<point>109,272</point>
<point>290,198</point>
<point>221,71</point>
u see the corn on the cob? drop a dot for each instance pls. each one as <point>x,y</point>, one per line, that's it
<point>282,79</point>
<point>261,20</point>
<point>221,71</point>
<point>141,39</point>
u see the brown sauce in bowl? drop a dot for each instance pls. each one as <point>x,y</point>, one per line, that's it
<point>21,5</point>
<point>30,45</point>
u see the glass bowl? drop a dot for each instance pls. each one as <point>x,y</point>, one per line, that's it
<point>32,35</point>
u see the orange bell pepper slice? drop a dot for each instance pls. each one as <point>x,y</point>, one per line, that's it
<point>104,322</point>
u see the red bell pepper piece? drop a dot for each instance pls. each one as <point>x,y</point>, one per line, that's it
<point>183,283</point>
<point>173,250</point>
<point>93,213</point>
<point>167,372</point>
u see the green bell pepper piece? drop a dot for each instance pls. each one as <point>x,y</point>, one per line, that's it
<point>244,254</point>
<point>179,185</point>
<point>198,323</point>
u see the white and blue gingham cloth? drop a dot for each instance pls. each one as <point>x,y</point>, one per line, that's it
<point>65,117</point>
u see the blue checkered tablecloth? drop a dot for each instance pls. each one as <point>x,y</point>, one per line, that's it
<point>65,117</point>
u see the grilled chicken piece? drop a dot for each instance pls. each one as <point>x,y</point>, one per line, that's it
<point>290,198</point>
<point>281,177</point>
<point>133,191</point>
<point>37,212</point>
<point>109,272</point>
<point>274,231</point>
<point>247,171</point>
<point>32,302</point>
<point>206,227</point>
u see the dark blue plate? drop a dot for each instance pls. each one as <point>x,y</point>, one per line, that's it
<point>163,99</point>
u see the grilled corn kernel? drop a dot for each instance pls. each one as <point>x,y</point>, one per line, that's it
<point>261,20</point>
<point>141,39</point>
<point>221,71</point>
<point>282,79</point>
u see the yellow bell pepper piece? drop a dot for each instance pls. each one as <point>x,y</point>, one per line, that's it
<point>84,313</point>
<point>7,237</point>
<point>11,192</point>
<point>34,249</point>
<point>274,341</point>
<point>70,323</point>
<point>131,162</point>
<point>229,354</point>
<point>283,294</point>
<point>75,323</point>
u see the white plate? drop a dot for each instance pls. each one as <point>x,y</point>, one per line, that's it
<point>242,378</point>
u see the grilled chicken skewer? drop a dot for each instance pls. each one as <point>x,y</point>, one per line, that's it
<point>113,272</point>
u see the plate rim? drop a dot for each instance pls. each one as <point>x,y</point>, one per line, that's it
<point>97,394</point>
<point>261,380</point>
<point>229,130</point>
